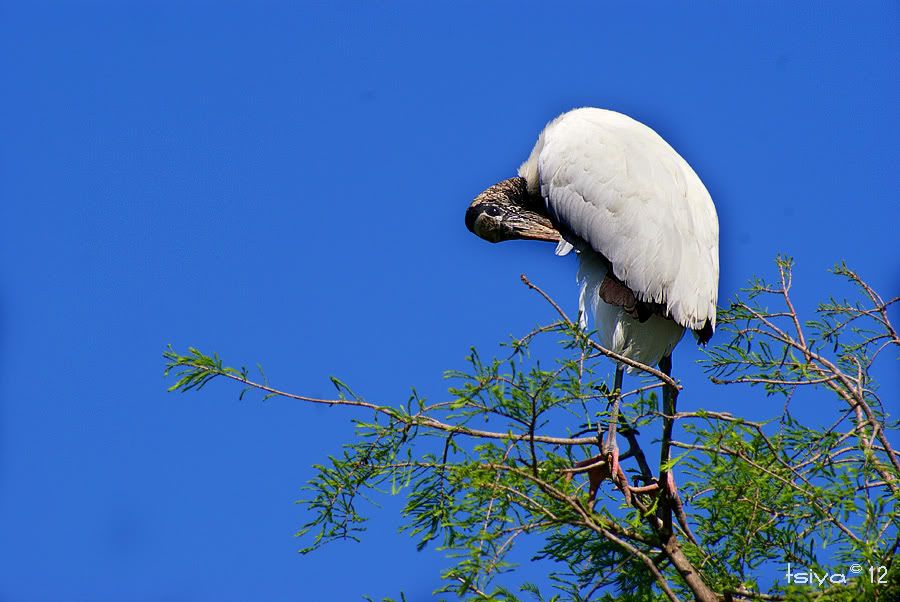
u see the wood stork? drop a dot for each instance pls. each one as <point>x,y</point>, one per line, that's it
<point>644,228</point>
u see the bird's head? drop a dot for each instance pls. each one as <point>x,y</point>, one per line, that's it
<point>506,211</point>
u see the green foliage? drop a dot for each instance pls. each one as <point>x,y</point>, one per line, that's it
<point>492,464</point>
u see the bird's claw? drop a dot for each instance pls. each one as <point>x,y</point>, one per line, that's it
<point>612,457</point>
<point>601,467</point>
<point>597,470</point>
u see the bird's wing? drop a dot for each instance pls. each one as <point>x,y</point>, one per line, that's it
<point>615,185</point>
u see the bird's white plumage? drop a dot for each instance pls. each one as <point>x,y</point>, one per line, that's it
<point>646,342</point>
<point>615,187</point>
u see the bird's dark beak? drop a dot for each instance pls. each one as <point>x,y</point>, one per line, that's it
<point>528,225</point>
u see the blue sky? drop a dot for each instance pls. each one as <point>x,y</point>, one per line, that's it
<point>286,183</point>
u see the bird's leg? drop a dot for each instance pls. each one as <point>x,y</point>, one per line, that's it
<point>606,464</point>
<point>610,447</point>
<point>666,478</point>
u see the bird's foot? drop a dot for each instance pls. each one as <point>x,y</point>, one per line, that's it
<point>616,474</point>
<point>604,466</point>
<point>645,488</point>
<point>671,491</point>
<point>597,469</point>
<point>612,458</point>
<point>666,487</point>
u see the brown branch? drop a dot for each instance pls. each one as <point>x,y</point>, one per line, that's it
<point>785,288</point>
<point>772,381</point>
<point>410,419</point>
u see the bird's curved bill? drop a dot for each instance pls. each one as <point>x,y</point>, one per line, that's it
<point>528,225</point>
<point>496,223</point>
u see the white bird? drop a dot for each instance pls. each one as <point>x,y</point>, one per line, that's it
<point>642,223</point>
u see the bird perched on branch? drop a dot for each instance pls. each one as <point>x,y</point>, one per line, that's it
<point>642,224</point>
